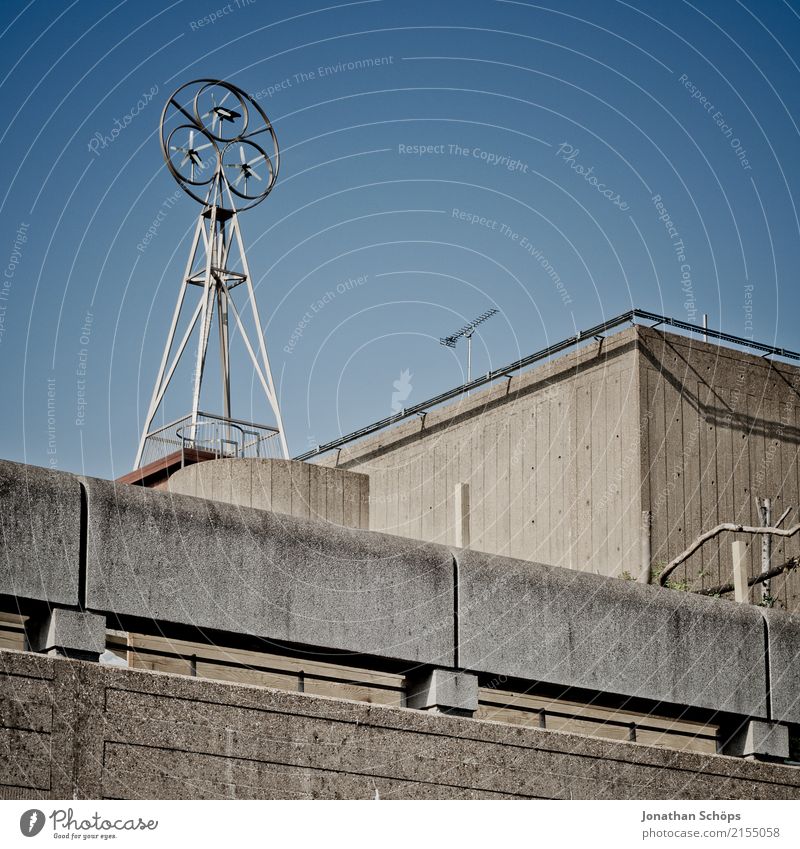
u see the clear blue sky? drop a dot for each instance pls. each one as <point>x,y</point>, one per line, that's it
<point>695,103</point>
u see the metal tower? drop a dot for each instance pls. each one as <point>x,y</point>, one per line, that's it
<point>221,148</point>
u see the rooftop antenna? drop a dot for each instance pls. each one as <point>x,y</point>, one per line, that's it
<point>466,331</point>
<point>222,150</point>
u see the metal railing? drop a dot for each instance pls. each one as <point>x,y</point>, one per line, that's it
<point>582,336</point>
<point>216,435</point>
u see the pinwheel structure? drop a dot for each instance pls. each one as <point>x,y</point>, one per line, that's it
<point>222,150</point>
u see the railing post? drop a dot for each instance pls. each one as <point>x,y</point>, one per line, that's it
<point>740,585</point>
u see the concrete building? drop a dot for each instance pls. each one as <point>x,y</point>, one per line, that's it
<point>309,659</point>
<point>563,460</point>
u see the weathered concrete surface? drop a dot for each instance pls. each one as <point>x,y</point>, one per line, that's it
<point>213,565</point>
<point>80,730</point>
<point>563,458</point>
<point>40,526</point>
<point>783,632</point>
<point>757,738</point>
<point>444,690</point>
<point>71,633</point>
<point>547,624</point>
<point>282,486</point>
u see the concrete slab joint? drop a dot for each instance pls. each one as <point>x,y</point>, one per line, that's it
<point>67,633</point>
<point>443,691</point>
<point>759,740</point>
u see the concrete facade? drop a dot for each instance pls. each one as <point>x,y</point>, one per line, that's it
<point>78,730</point>
<point>282,486</point>
<point>562,460</point>
<point>159,559</point>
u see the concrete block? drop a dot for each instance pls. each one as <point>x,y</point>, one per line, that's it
<point>544,623</point>
<point>40,527</point>
<point>444,691</point>
<point>759,740</point>
<point>783,643</point>
<point>68,633</point>
<point>283,486</point>
<point>186,560</point>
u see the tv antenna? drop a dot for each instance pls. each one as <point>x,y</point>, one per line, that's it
<point>222,150</point>
<point>466,332</point>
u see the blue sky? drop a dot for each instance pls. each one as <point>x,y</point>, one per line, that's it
<point>561,162</point>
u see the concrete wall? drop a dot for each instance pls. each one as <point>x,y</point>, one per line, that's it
<point>166,559</point>
<point>283,486</point>
<point>77,730</point>
<point>551,457</point>
<point>723,429</point>
<point>562,460</point>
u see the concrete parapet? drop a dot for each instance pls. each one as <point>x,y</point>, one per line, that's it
<point>40,533</point>
<point>783,644</point>
<point>283,486</point>
<point>89,731</point>
<point>220,566</point>
<point>444,691</point>
<point>574,629</point>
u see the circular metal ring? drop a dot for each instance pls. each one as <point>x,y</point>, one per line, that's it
<point>219,113</point>
<point>247,169</point>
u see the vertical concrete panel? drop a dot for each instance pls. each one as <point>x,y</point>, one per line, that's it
<point>415,497</point>
<point>426,460</point>
<point>541,515</point>
<point>657,477</point>
<point>529,530</point>
<point>583,537</point>
<point>490,486</point>
<point>516,522</point>
<point>709,490</point>
<point>599,477</point>
<point>630,464</point>
<point>262,487</point>
<point>352,502</point>
<point>281,493</point>
<point>503,494</point>
<point>476,489</point>
<point>335,497</point>
<point>613,491</point>
<point>570,475</point>
<point>441,521</point>
<point>692,525</point>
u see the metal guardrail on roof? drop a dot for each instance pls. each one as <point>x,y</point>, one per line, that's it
<point>629,317</point>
